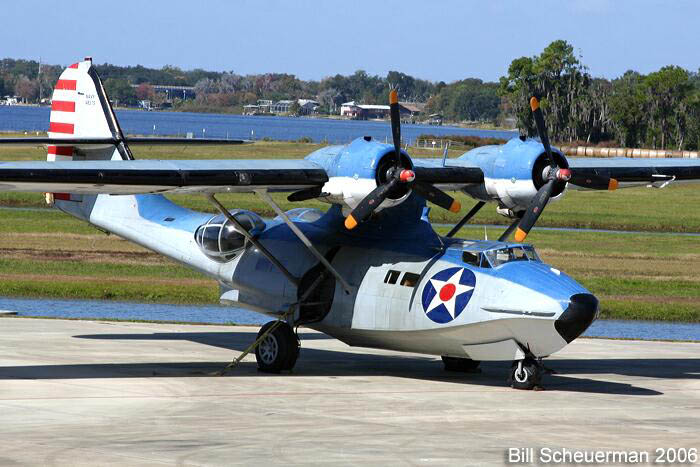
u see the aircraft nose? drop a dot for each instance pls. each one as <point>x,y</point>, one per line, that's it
<point>577,317</point>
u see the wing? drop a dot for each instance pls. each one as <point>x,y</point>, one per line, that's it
<point>150,141</point>
<point>455,175</point>
<point>156,176</point>
<point>635,172</point>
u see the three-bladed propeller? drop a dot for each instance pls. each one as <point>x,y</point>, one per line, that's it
<point>556,177</point>
<point>398,174</point>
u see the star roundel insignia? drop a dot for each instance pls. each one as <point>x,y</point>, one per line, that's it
<point>447,293</point>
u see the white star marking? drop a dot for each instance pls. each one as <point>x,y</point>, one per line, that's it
<point>450,303</point>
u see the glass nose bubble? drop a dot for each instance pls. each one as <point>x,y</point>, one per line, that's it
<point>577,317</point>
<point>220,240</point>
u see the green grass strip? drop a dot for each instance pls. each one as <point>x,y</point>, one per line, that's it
<point>95,269</point>
<point>153,293</point>
<point>619,309</point>
<point>643,287</point>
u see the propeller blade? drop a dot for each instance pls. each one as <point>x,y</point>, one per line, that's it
<point>395,122</point>
<point>436,196</point>
<point>534,210</point>
<point>369,203</point>
<point>594,182</point>
<point>541,129</point>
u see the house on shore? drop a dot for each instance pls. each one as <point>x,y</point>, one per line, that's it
<point>308,106</point>
<point>373,111</point>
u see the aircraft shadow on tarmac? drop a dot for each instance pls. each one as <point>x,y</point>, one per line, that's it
<point>334,363</point>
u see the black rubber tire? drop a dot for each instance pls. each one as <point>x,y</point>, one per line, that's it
<point>464,365</point>
<point>294,347</point>
<point>279,351</point>
<point>530,376</point>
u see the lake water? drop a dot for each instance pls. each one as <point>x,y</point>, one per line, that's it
<point>222,314</point>
<point>24,118</point>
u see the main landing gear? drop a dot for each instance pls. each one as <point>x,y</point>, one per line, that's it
<point>526,374</point>
<point>279,349</point>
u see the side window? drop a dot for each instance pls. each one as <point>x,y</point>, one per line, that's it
<point>391,277</point>
<point>470,258</point>
<point>410,279</point>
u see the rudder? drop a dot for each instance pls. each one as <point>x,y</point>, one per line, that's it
<point>80,108</point>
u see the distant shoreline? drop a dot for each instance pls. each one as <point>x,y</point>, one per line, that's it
<point>446,123</point>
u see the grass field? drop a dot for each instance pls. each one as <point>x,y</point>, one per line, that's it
<point>640,276</point>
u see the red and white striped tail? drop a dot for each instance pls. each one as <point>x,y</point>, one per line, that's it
<point>80,109</point>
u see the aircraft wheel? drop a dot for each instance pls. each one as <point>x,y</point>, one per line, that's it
<point>525,374</point>
<point>279,350</point>
<point>465,365</point>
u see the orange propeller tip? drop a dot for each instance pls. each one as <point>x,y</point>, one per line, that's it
<point>393,97</point>
<point>612,186</point>
<point>350,222</point>
<point>455,206</point>
<point>534,103</point>
<point>520,235</point>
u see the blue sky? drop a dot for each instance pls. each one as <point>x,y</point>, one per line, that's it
<point>436,40</point>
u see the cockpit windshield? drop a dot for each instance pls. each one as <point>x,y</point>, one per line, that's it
<point>501,256</point>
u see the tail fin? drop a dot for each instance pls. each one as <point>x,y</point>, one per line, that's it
<point>80,109</point>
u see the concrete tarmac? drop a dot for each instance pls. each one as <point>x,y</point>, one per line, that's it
<point>96,393</point>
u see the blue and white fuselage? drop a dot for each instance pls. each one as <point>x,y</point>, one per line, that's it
<point>395,264</point>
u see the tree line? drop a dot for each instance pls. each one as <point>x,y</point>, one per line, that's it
<point>470,99</point>
<point>658,110</point>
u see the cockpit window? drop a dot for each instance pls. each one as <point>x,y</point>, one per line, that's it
<point>516,253</point>
<point>475,258</point>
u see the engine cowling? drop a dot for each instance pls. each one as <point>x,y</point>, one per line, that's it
<point>357,169</point>
<point>513,173</point>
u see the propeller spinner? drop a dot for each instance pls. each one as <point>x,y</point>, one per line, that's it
<point>398,175</point>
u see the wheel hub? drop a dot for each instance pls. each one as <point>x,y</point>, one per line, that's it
<point>269,349</point>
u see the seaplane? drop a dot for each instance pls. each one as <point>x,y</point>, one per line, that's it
<point>370,270</point>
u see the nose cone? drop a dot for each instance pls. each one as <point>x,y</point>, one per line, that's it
<point>577,317</point>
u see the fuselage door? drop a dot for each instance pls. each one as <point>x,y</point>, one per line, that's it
<point>384,297</point>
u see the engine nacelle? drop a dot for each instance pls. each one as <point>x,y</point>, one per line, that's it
<point>513,173</point>
<point>357,169</point>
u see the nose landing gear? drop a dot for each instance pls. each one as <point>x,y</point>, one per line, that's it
<point>526,374</point>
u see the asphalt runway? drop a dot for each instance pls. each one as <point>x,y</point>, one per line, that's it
<point>96,393</point>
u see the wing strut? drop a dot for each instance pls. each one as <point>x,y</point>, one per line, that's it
<point>504,236</point>
<point>304,239</point>
<point>466,218</point>
<point>253,240</point>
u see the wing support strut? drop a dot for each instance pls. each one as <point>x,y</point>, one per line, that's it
<point>504,236</point>
<point>466,218</point>
<point>294,280</point>
<point>304,239</point>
